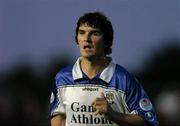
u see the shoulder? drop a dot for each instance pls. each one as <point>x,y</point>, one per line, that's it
<point>130,81</point>
<point>122,78</point>
<point>64,75</point>
<point>64,71</point>
<point>121,71</point>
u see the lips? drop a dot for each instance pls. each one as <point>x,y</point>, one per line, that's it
<point>87,47</point>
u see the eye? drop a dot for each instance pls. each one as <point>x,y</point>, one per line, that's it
<point>97,33</point>
<point>81,32</point>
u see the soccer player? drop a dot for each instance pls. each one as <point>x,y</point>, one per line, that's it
<point>95,91</point>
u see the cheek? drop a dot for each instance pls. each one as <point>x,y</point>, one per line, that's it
<point>100,47</point>
<point>99,43</point>
<point>79,40</point>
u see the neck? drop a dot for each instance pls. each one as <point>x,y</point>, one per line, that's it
<point>92,67</point>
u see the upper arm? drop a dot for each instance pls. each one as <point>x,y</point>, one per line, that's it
<point>138,101</point>
<point>56,101</point>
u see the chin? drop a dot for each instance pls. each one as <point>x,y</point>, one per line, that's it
<point>89,57</point>
<point>86,55</point>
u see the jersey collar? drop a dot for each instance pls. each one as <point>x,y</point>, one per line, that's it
<point>105,75</point>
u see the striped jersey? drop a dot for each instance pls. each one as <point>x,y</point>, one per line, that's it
<point>73,93</point>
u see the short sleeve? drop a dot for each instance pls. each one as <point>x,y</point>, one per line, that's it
<point>56,102</point>
<point>138,101</point>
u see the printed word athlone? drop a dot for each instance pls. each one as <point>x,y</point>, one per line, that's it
<point>83,115</point>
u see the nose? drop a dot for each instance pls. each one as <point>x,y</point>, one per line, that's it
<point>88,37</point>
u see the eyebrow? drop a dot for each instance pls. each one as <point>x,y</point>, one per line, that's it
<point>95,30</point>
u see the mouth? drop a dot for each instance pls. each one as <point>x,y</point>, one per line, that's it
<point>87,47</point>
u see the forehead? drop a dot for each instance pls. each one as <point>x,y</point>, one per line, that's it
<point>88,27</point>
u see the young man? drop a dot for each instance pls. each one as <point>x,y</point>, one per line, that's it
<point>95,91</point>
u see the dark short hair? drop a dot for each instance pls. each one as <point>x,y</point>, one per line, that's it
<point>100,21</point>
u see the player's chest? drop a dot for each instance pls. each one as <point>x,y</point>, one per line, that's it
<point>86,94</point>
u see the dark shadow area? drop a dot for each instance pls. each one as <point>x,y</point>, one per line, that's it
<point>25,94</point>
<point>161,79</point>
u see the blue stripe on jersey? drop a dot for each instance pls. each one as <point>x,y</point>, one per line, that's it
<point>64,76</point>
<point>121,80</point>
<point>54,99</point>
